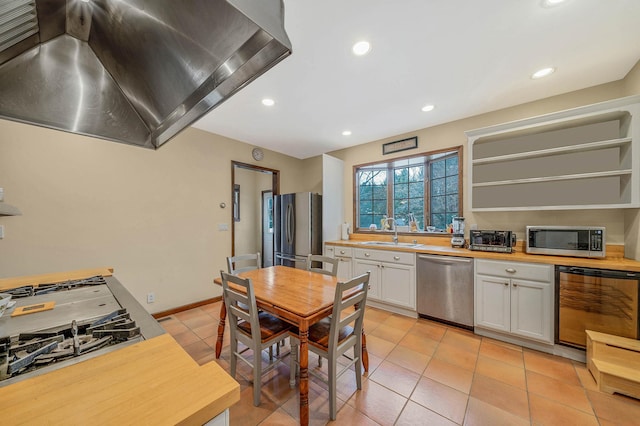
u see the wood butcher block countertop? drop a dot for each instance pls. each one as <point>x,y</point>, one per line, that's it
<point>153,382</point>
<point>441,246</point>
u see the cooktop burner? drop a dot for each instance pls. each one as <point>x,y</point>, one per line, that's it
<point>30,290</point>
<point>33,350</point>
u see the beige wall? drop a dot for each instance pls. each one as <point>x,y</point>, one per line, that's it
<point>248,231</point>
<point>152,215</point>
<point>632,216</point>
<point>452,134</point>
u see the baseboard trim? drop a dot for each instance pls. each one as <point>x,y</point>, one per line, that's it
<point>172,311</point>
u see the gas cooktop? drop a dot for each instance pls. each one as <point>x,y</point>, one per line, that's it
<point>90,317</point>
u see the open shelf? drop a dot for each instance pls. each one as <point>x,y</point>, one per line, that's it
<point>576,159</point>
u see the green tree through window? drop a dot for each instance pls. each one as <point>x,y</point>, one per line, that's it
<point>425,186</point>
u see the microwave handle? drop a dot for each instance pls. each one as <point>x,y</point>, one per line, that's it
<point>513,239</point>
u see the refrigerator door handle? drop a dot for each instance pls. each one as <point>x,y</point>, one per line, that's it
<point>289,225</point>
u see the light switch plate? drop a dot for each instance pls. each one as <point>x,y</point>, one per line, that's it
<point>223,227</point>
<point>1,194</point>
<point>1,232</point>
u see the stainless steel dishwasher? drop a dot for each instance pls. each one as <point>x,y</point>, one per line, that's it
<point>445,289</point>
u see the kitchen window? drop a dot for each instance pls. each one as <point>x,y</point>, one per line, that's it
<point>426,187</point>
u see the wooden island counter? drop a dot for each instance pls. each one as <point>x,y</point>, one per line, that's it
<point>153,382</point>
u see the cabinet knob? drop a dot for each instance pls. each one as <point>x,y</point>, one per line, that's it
<point>506,284</point>
<point>396,257</point>
<point>511,270</point>
<point>515,285</point>
<point>367,255</point>
<point>341,251</point>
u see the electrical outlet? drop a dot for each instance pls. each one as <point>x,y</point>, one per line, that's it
<point>1,232</point>
<point>223,227</point>
<point>1,194</point>
<point>151,297</point>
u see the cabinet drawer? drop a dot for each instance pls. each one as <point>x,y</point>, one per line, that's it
<point>527,271</point>
<point>340,251</point>
<point>386,256</point>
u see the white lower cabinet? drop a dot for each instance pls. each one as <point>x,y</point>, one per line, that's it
<point>345,258</point>
<point>515,298</point>
<point>393,276</point>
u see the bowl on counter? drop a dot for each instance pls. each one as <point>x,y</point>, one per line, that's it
<point>5,298</point>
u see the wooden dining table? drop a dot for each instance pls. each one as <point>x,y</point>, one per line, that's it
<point>299,297</point>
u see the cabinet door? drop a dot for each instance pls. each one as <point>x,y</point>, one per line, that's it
<point>345,265</point>
<point>361,267</point>
<point>531,314</point>
<point>492,303</point>
<point>397,285</point>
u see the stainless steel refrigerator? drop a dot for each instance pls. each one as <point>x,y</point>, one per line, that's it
<point>297,228</point>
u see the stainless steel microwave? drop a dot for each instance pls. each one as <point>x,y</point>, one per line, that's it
<point>578,241</point>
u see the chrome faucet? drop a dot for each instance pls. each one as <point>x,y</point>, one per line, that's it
<point>395,228</point>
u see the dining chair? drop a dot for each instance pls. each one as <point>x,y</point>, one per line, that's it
<point>312,265</point>
<point>243,263</point>
<point>336,335</point>
<point>314,259</point>
<point>256,330</point>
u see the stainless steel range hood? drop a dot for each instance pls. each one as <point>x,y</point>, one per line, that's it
<point>135,71</point>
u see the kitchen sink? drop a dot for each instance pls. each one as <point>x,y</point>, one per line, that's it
<point>389,244</point>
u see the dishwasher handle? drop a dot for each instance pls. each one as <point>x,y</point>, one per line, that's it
<point>445,260</point>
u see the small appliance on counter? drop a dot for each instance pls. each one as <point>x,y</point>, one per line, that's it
<point>579,241</point>
<point>458,232</point>
<point>496,241</point>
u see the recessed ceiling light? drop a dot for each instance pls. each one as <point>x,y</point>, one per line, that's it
<point>268,102</point>
<point>543,72</point>
<point>428,108</point>
<point>551,3</point>
<point>361,48</point>
<point>346,133</point>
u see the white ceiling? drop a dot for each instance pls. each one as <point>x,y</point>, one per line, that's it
<point>465,56</point>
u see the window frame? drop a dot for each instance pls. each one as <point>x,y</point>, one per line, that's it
<point>391,182</point>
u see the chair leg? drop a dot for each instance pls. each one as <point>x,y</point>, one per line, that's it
<point>293,366</point>
<point>358,365</point>
<point>233,348</point>
<point>332,388</point>
<point>257,376</point>
<point>319,361</point>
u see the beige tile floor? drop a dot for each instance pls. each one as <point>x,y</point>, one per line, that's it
<point>421,373</point>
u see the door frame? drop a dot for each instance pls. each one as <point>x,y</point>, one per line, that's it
<point>275,187</point>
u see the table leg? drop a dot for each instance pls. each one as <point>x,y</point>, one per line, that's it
<point>365,354</point>
<point>303,357</point>
<point>221,323</point>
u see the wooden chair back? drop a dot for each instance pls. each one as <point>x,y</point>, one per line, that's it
<point>317,263</point>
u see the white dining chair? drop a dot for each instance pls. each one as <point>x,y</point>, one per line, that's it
<point>319,263</point>
<point>256,330</point>
<point>243,262</point>
<point>337,335</point>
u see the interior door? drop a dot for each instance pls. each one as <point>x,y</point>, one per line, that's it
<point>267,228</point>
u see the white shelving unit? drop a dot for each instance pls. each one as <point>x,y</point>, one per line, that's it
<point>583,158</point>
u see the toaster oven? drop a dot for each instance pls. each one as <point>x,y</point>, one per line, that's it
<point>496,241</point>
